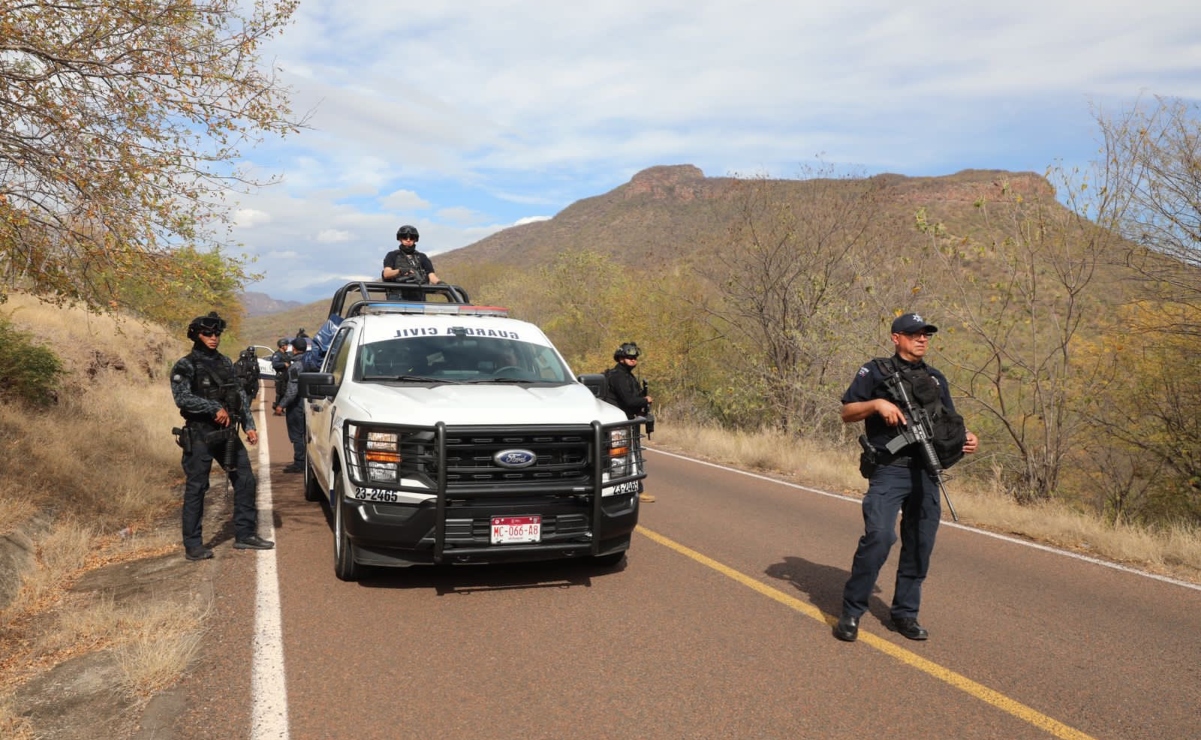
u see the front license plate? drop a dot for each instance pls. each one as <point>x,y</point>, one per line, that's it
<point>510,529</point>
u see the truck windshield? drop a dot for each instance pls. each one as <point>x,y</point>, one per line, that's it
<point>460,359</point>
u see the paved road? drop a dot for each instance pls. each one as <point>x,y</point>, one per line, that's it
<point>717,627</point>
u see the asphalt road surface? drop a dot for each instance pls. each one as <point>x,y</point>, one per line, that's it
<point>717,626</point>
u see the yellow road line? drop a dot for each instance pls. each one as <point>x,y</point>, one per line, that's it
<point>959,681</point>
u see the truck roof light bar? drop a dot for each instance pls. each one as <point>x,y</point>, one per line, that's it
<point>438,309</point>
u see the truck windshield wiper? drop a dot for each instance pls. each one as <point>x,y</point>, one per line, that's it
<point>413,379</point>
<point>502,380</point>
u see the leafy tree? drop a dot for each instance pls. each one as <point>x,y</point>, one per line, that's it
<point>1143,448</point>
<point>120,122</point>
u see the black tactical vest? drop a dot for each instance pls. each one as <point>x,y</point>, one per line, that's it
<point>213,379</point>
<point>410,268</point>
<point>949,433</point>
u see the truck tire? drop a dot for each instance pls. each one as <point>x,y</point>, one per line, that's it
<point>344,565</point>
<point>312,491</point>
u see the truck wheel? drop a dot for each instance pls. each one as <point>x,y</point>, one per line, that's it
<point>344,565</point>
<point>312,491</point>
<point>609,561</point>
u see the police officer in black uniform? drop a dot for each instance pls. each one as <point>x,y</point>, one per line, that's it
<point>898,484</point>
<point>407,265</point>
<point>214,405</point>
<point>292,407</point>
<point>280,359</point>
<point>625,390</point>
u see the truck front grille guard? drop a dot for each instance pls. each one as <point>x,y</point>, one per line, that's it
<point>427,455</point>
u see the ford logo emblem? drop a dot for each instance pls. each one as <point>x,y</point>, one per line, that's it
<point>515,458</point>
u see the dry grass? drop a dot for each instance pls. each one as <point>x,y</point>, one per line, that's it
<point>12,725</point>
<point>153,642</point>
<point>815,463</point>
<point>1175,552</point>
<point>61,554</point>
<point>103,465</point>
<point>104,452</point>
<point>160,642</point>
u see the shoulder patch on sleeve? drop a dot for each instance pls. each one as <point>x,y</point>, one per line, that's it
<point>864,371</point>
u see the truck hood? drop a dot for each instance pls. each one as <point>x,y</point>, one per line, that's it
<point>485,403</point>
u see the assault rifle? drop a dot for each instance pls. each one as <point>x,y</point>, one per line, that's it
<point>231,400</point>
<point>650,418</point>
<point>918,430</point>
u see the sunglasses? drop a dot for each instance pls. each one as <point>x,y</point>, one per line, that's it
<point>209,333</point>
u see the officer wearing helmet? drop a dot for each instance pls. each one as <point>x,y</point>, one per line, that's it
<point>406,264</point>
<point>213,406</point>
<point>624,388</point>
<point>625,392</point>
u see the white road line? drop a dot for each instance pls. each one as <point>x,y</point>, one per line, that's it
<point>986,533</point>
<point>269,692</point>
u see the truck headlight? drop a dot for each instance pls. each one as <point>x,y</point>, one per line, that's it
<point>620,458</point>
<point>376,455</point>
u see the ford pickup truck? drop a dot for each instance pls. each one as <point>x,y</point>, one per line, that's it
<point>439,431</point>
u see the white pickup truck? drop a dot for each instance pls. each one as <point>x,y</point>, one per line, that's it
<point>443,432</point>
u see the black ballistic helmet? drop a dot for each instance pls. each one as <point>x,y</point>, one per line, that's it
<point>629,349</point>
<point>283,342</point>
<point>212,322</point>
<point>409,231</point>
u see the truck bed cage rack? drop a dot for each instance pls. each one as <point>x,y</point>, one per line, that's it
<point>354,293</point>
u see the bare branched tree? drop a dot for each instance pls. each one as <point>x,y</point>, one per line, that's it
<point>786,271</point>
<point>1155,150</point>
<point>120,125</point>
<point>1023,297</point>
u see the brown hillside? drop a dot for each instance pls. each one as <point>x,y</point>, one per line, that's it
<point>667,214</point>
<point>663,212</point>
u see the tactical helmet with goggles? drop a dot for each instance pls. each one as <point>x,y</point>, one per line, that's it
<point>211,324</point>
<point>629,351</point>
<point>283,342</point>
<point>407,232</point>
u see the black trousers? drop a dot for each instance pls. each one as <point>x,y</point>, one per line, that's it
<point>294,417</point>
<point>893,490</point>
<point>197,465</point>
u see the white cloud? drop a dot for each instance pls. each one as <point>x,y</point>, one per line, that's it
<point>248,218</point>
<point>329,236</point>
<point>531,220</point>
<point>404,200</point>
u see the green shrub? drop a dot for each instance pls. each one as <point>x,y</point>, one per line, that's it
<point>29,372</point>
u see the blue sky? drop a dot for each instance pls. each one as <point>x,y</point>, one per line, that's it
<point>464,118</point>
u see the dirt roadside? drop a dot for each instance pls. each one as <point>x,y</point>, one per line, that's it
<point>80,697</point>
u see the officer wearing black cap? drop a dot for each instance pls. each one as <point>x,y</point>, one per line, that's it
<point>213,406</point>
<point>291,407</point>
<point>899,483</point>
